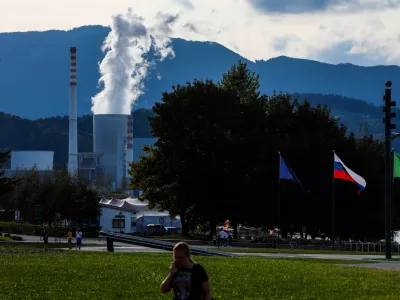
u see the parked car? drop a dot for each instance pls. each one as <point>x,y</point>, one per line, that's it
<point>155,229</point>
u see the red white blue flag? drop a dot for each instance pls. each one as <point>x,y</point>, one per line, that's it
<point>343,172</point>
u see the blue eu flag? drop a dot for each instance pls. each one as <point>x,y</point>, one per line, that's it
<point>286,173</point>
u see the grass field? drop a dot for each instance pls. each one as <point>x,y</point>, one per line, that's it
<point>295,251</point>
<point>10,227</point>
<point>59,274</point>
<point>5,239</point>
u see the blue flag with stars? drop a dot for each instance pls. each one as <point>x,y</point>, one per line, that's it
<point>286,173</point>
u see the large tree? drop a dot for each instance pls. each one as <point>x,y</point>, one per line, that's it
<point>217,157</point>
<point>194,170</point>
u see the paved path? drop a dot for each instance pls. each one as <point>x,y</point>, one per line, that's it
<point>131,248</point>
<point>378,263</point>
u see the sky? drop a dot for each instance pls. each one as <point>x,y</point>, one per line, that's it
<point>363,32</point>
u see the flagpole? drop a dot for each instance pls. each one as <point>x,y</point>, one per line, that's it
<point>333,203</point>
<point>279,197</point>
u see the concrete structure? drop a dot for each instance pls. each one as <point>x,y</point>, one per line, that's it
<point>73,117</point>
<point>27,160</point>
<point>89,165</point>
<point>110,140</point>
<point>136,214</point>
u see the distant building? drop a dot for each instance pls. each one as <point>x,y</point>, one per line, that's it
<point>132,215</point>
<point>24,162</point>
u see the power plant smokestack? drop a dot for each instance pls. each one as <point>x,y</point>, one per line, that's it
<point>73,122</point>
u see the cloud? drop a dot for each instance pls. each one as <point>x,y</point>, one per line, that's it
<point>328,30</point>
<point>191,27</point>
<point>304,6</point>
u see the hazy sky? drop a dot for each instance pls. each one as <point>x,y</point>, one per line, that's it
<point>365,32</point>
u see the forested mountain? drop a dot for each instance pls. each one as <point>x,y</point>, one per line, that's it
<point>34,74</point>
<point>52,133</point>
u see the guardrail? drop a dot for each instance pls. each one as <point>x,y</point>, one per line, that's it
<point>370,247</point>
<point>152,243</point>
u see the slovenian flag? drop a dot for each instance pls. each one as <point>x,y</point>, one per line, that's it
<point>343,172</point>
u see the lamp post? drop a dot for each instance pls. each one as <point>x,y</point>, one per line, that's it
<point>389,136</point>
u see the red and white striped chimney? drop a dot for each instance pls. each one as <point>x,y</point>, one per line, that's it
<point>73,117</point>
<point>129,144</point>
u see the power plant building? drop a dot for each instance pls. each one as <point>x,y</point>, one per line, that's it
<point>110,140</point>
<point>28,160</point>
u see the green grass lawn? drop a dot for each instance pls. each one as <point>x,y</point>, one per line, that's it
<point>60,274</point>
<point>10,227</point>
<point>5,239</point>
<point>295,251</point>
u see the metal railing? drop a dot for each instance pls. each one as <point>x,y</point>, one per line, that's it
<point>157,244</point>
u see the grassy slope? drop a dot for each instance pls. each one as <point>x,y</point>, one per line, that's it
<point>85,275</point>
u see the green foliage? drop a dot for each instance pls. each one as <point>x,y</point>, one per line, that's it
<point>242,82</point>
<point>216,158</point>
<point>259,278</point>
<point>59,195</point>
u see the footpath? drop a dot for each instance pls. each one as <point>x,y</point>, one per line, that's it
<point>100,244</point>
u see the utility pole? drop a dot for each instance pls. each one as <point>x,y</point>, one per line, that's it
<point>387,109</point>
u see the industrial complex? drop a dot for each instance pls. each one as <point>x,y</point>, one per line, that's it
<point>113,149</point>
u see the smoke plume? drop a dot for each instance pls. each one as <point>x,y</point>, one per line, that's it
<point>126,64</point>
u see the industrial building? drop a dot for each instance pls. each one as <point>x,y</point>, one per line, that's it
<point>23,162</point>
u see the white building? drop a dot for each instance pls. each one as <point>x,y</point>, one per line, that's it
<point>131,215</point>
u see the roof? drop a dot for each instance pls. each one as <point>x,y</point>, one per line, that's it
<point>141,208</point>
<point>129,204</point>
<point>117,204</point>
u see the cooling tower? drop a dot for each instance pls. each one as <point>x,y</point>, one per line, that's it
<point>129,145</point>
<point>110,139</point>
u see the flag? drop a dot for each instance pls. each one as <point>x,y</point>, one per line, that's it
<point>287,173</point>
<point>396,165</point>
<point>343,172</point>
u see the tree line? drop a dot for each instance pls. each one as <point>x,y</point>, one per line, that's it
<point>216,158</point>
<point>47,197</point>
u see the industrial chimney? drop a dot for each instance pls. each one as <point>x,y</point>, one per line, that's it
<point>73,122</point>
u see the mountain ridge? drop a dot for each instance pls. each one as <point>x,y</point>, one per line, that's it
<point>34,72</point>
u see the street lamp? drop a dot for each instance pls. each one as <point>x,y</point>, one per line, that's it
<point>389,136</point>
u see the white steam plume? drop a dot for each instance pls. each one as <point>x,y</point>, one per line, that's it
<point>125,65</point>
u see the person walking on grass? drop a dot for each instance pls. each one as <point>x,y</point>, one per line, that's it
<point>78,239</point>
<point>187,279</point>
<point>69,237</point>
